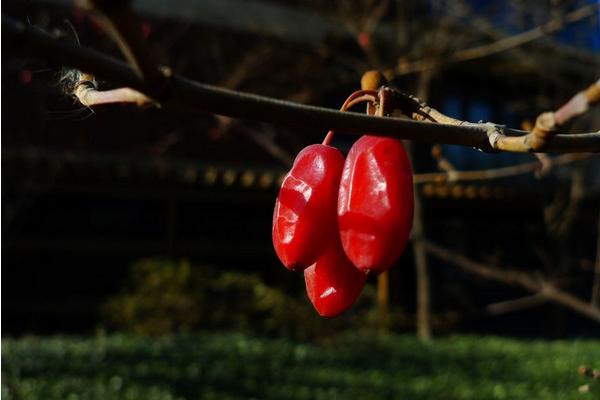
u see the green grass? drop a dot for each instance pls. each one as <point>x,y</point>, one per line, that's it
<point>238,366</point>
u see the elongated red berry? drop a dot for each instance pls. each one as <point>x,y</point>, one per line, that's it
<point>304,220</point>
<point>332,283</point>
<point>375,203</point>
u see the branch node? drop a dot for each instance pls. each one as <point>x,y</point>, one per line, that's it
<point>544,129</point>
<point>592,93</point>
<point>493,131</point>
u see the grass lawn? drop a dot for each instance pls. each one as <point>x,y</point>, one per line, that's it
<point>239,366</point>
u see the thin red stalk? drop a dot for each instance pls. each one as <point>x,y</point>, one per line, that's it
<point>360,96</point>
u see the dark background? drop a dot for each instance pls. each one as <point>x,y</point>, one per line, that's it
<point>85,193</point>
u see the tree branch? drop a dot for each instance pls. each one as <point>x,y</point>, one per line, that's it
<point>181,92</point>
<point>122,25</point>
<point>505,307</point>
<point>578,104</point>
<point>545,128</point>
<point>515,278</point>
<point>498,46</point>
<point>496,173</point>
<point>548,123</point>
<point>87,93</point>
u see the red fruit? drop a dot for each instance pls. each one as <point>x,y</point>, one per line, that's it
<point>375,203</point>
<point>332,283</point>
<point>304,221</point>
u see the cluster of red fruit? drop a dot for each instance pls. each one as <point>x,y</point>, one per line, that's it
<point>340,220</point>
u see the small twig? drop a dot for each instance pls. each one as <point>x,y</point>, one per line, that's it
<point>548,123</point>
<point>266,142</point>
<point>248,64</point>
<point>89,96</point>
<point>418,110</point>
<point>236,77</point>
<point>578,104</point>
<point>363,33</point>
<point>577,194</point>
<point>505,307</point>
<point>442,162</point>
<point>87,93</point>
<point>545,165</point>
<point>121,24</point>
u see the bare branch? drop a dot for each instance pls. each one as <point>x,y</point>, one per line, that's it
<point>579,104</point>
<point>547,124</point>
<point>496,173</point>
<point>499,46</point>
<point>87,93</point>
<point>442,162</point>
<point>516,278</point>
<point>505,307</point>
<point>536,141</point>
<point>122,25</point>
<point>266,142</point>
<point>181,92</point>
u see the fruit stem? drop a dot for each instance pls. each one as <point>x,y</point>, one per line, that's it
<point>360,96</point>
<point>328,138</point>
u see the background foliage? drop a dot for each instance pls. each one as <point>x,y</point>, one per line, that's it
<point>165,296</point>
<point>235,366</point>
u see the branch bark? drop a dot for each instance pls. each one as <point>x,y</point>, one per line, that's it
<point>181,92</point>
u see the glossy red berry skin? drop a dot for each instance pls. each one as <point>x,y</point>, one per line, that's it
<point>332,283</point>
<point>304,220</point>
<point>375,203</point>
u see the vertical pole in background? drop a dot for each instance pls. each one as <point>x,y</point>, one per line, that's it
<point>596,288</point>
<point>418,231</point>
<point>171,224</point>
<point>372,80</point>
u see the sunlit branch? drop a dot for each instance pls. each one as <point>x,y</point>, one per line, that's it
<point>85,90</point>
<point>181,92</point>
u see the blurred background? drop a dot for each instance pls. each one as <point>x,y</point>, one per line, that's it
<point>144,234</point>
